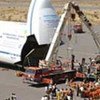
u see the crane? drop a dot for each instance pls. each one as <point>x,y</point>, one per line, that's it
<point>52,53</point>
<point>57,37</point>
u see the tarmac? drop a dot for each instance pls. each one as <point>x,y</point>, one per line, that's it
<point>9,84</point>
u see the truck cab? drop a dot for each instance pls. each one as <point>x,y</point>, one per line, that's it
<point>36,75</point>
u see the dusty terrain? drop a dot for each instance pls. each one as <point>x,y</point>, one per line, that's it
<point>16,10</point>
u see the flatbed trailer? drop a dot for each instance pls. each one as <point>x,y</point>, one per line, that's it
<point>36,75</point>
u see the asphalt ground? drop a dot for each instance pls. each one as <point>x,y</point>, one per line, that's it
<point>10,83</point>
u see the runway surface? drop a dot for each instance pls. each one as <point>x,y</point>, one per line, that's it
<point>9,84</point>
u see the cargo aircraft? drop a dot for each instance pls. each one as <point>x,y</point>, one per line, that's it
<point>20,40</point>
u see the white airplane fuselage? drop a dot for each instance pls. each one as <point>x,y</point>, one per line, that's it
<point>41,23</point>
<point>13,35</point>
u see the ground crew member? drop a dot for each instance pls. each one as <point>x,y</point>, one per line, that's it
<point>13,96</point>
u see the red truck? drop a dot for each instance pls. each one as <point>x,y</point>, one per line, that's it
<point>37,75</point>
<point>78,28</point>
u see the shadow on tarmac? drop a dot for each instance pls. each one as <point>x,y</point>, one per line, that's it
<point>11,66</point>
<point>43,85</point>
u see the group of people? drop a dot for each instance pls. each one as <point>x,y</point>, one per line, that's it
<point>52,92</point>
<point>89,73</point>
<point>86,71</point>
<point>87,89</point>
<point>13,97</point>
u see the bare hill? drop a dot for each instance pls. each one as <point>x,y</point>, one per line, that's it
<point>16,10</point>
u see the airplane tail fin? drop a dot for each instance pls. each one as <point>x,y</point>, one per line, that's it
<point>42,21</point>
